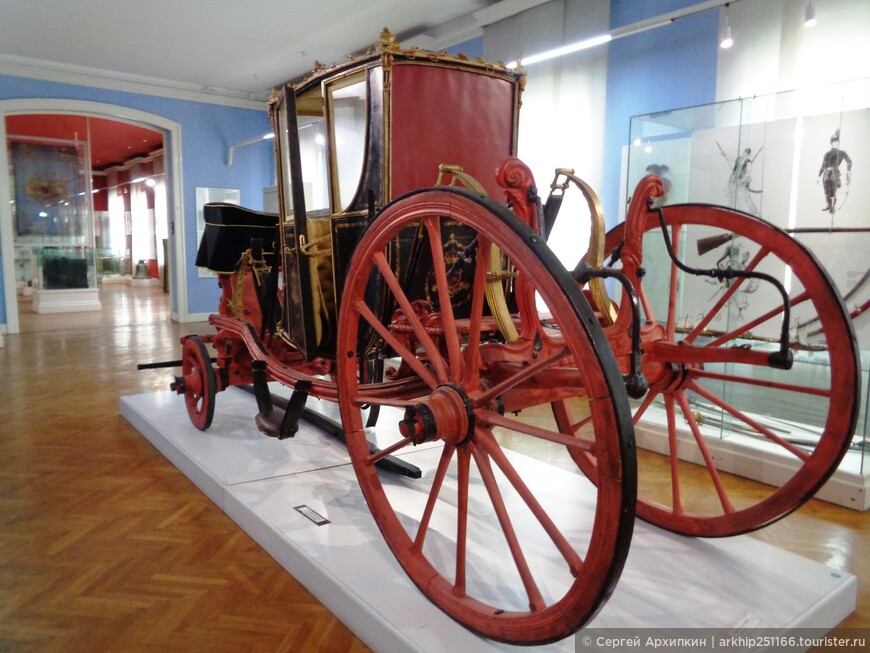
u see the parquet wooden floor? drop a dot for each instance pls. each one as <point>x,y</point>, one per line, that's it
<point>105,546</point>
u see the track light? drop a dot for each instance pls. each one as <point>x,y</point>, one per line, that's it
<point>725,40</point>
<point>559,52</point>
<point>809,14</point>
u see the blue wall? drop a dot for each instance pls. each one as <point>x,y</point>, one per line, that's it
<point>206,133</point>
<point>664,68</point>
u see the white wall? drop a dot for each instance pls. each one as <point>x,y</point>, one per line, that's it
<point>773,51</point>
<point>562,118</point>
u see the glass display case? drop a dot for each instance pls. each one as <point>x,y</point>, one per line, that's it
<point>796,160</point>
<point>53,220</point>
<point>66,268</point>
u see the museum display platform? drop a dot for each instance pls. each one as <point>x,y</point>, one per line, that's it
<point>299,499</point>
<point>70,300</point>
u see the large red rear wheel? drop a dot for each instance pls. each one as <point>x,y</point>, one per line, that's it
<point>715,407</point>
<point>492,538</point>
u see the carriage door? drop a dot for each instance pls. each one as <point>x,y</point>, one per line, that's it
<point>303,191</point>
<point>354,158</point>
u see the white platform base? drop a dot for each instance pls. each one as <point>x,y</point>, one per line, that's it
<point>114,278</point>
<point>142,282</point>
<point>849,486</point>
<point>669,581</point>
<point>73,300</point>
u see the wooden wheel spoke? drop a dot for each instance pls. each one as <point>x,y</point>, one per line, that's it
<point>726,296</point>
<point>488,443</point>
<point>563,417</point>
<point>434,491</point>
<point>673,289</point>
<point>576,426</point>
<point>736,333</point>
<point>536,599</point>
<point>451,335</point>
<point>419,330</point>
<point>493,418</point>
<point>461,522</point>
<point>776,385</point>
<point>677,503</point>
<point>472,349</point>
<point>705,453</point>
<point>644,302</point>
<point>752,423</point>
<point>393,448</point>
<point>523,374</point>
<point>407,355</point>
<point>647,402</point>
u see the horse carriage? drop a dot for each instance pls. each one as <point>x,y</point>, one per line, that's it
<point>407,277</point>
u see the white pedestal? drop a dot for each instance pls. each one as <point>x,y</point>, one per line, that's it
<point>754,458</point>
<point>114,278</point>
<point>142,282</point>
<point>669,581</point>
<point>72,300</point>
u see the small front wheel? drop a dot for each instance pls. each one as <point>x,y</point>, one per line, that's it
<point>198,382</point>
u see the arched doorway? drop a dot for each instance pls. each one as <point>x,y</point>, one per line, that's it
<point>171,136</point>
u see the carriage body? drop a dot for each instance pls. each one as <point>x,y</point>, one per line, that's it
<point>381,284</point>
<point>366,133</point>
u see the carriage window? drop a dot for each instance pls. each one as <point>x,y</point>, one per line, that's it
<point>347,103</point>
<point>279,126</point>
<point>312,146</point>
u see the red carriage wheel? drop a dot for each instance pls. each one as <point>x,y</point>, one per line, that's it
<point>487,535</point>
<point>707,344</point>
<point>198,382</point>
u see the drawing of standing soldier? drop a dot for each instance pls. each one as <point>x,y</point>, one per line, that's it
<point>830,172</point>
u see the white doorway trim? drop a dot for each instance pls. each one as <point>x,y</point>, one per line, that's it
<point>172,149</point>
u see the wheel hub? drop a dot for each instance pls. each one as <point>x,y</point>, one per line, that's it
<point>447,414</point>
<point>191,382</point>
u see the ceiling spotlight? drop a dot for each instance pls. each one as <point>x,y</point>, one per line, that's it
<point>725,40</point>
<point>809,14</point>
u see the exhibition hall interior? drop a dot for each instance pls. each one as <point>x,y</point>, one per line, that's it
<point>416,326</point>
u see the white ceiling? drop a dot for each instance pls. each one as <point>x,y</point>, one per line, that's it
<point>230,45</point>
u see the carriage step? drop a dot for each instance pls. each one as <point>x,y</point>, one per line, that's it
<point>269,423</point>
<point>282,422</point>
<point>277,423</point>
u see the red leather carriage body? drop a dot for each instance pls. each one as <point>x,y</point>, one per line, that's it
<point>440,114</point>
